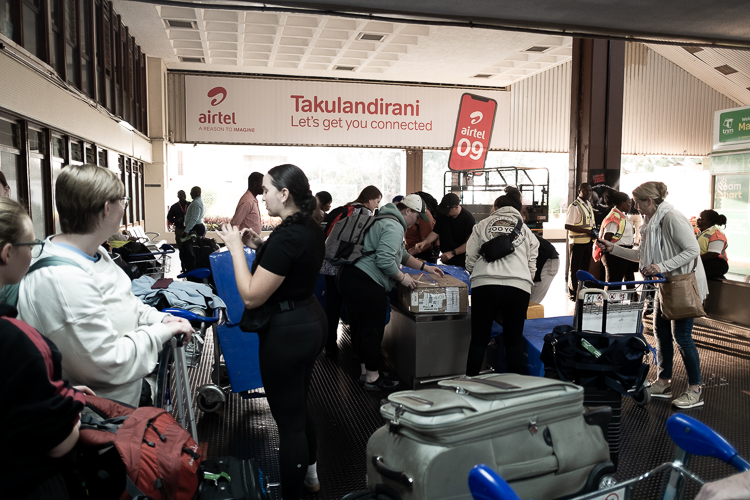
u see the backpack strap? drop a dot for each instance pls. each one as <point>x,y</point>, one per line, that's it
<point>9,293</point>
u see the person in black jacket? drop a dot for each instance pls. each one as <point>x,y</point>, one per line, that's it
<point>40,413</point>
<point>176,216</point>
<point>280,288</point>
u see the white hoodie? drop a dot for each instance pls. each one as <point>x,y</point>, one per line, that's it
<point>516,269</point>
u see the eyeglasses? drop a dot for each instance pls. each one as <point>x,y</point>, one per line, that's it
<point>124,201</point>
<point>36,247</point>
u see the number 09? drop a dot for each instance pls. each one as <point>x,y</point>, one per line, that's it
<point>465,147</point>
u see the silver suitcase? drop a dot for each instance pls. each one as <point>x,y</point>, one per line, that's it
<point>532,431</point>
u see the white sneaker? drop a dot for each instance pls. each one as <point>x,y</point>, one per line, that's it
<point>689,399</point>
<point>312,484</point>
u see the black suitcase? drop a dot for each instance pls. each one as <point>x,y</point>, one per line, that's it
<point>229,478</point>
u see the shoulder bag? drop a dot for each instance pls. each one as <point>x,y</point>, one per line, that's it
<point>679,296</point>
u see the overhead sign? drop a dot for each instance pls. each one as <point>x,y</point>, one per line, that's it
<point>258,111</point>
<point>732,129</point>
<point>471,139</point>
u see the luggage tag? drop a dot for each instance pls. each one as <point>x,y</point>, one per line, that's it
<point>590,348</point>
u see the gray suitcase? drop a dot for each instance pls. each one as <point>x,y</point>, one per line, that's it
<point>533,431</point>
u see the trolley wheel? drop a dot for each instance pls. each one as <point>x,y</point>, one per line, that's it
<point>223,374</point>
<point>210,398</point>
<point>642,398</point>
<point>207,407</point>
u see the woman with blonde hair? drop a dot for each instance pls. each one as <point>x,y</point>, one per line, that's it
<point>108,338</point>
<point>668,247</point>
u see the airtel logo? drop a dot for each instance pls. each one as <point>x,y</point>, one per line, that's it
<point>217,91</point>
<point>476,117</point>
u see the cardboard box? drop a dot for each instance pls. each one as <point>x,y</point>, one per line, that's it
<point>533,312</point>
<point>435,295</point>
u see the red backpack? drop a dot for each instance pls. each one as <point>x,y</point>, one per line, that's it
<point>160,458</point>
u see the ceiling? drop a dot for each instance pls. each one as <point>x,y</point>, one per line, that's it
<point>312,43</point>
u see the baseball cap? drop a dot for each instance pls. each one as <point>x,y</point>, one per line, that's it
<point>449,201</point>
<point>415,202</point>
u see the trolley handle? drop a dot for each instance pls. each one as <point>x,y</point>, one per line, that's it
<point>165,249</point>
<point>586,276</point>
<point>191,316</point>
<point>699,439</point>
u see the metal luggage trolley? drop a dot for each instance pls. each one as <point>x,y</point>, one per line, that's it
<point>691,437</point>
<point>601,309</point>
<point>157,263</point>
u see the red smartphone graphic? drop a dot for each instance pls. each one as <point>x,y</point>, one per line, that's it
<point>476,116</point>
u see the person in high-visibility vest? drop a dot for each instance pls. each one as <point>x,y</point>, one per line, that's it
<point>713,243</point>
<point>617,228</point>
<point>579,223</point>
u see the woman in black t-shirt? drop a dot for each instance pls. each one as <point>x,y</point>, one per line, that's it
<point>283,279</point>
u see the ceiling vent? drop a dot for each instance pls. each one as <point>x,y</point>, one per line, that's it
<point>483,75</point>
<point>725,69</point>
<point>185,25</point>
<point>344,68</point>
<point>537,49</point>
<point>371,37</point>
<point>192,59</point>
<point>693,49</point>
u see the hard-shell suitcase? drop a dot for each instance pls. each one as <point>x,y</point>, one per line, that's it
<point>229,478</point>
<point>533,431</point>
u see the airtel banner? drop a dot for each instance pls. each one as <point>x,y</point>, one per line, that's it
<point>255,111</point>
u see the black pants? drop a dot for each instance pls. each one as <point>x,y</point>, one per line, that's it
<point>619,269</point>
<point>486,303</point>
<point>580,258</point>
<point>287,352</point>
<point>715,268</point>
<point>366,303</point>
<point>334,301</point>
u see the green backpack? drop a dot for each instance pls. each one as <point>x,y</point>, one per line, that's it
<point>9,293</point>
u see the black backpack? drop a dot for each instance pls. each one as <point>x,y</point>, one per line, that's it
<point>194,254</point>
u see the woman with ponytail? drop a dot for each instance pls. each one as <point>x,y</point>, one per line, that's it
<point>282,282</point>
<point>713,243</point>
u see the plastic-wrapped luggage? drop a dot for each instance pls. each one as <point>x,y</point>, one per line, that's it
<point>533,431</point>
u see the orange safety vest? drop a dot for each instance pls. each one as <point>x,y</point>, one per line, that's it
<point>587,221</point>
<point>713,234</point>
<point>618,218</point>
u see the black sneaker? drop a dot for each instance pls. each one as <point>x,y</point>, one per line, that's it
<point>381,384</point>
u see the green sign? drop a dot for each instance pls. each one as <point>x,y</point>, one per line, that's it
<point>734,126</point>
<point>731,193</point>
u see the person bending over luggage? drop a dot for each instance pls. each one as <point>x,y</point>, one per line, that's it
<point>291,325</point>
<point>617,228</point>
<point>108,338</point>
<point>367,202</point>
<point>713,243</point>
<point>40,415</point>
<point>453,226</point>
<point>364,284</point>
<point>502,286</point>
<point>421,230</point>
<point>668,247</point>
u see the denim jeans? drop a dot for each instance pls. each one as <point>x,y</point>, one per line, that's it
<point>681,330</point>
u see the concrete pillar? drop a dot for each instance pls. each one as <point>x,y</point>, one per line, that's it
<point>598,77</point>
<point>155,173</point>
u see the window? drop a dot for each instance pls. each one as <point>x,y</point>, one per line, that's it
<point>33,27</point>
<point>7,16</point>
<point>71,43</point>
<point>86,47</point>
<point>58,146</point>
<point>76,152</point>
<point>90,154</point>
<point>10,154</point>
<point>102,158</point>
<point>57,50</point>
<point>36,142</point>
<point>37,182</point>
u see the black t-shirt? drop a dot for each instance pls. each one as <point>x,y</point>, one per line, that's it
<point>295,252</point>
<point>454,233</point>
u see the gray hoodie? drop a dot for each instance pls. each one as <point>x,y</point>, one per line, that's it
<point>518,268</point>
